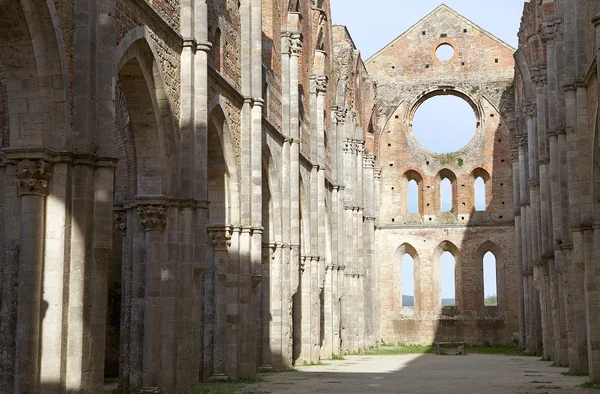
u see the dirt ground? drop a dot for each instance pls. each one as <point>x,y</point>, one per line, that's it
<point>424,374</point>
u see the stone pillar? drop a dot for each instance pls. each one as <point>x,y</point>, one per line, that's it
<point>518,248</point>
<point>221,240</point>
<point>32,183</point>
<point>153,218</point>
<point>120,219</point>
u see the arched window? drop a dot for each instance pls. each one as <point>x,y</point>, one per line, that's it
<point>446,195</point>
<point>490,284</point>
<point>217,47</point>
<point>480,203</point>
<point>448,279</point>
<point>413,197</point>
<point>408,281</point>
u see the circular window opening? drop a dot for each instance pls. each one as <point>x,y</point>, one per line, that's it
<point>444,124</point>
<point>444,52</point>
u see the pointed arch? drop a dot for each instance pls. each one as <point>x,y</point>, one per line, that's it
<point>272,184</point>
<point>451,249</point>
<point>413,192</point>
<point>481,192</point>
<point>141,80</point>
<point>496,251</point>
<point>223,175</point>
<point>445,181</point>
<point>35,69</point>
<point>405,276</point>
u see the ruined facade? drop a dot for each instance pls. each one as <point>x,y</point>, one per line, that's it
<point>556,169</point>
<point>408,73</point>
<point>205,189</point>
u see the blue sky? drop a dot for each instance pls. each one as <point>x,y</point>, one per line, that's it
<point>373,24</point>
<point>441,127</point>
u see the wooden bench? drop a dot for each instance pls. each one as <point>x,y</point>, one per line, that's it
<point>462,347</point>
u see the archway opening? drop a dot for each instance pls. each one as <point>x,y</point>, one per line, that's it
<point>413,197</point>
<point>480,203</point>
<point>490,284</point>
<point>408,281</point>
<point>446,195</point>
<point>448,279</point>
<point>444,123</point>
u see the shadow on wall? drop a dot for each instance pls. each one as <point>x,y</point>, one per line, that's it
<point>467,237</point>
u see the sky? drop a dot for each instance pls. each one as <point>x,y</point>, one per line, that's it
<point>375,23</point>
<point>442,127</point>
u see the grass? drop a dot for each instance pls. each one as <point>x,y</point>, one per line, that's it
<point>569,373</point>
<point>229,387</point>
<point>590,385</point>
<point>394,350</point>
<point>337,357</point>
<point>391,350</point>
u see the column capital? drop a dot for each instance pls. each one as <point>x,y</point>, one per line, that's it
<point>530,110</point>
<point>552,31</point>
<point>377,174</point>
<point>120,221</point>
<point>154,217</point>
<point>522,141</point>
<point>321,82</point>
<point>539,75</point>
<point>221,237</point>
<point>369,161</point>
<point>514,155</point>
<point>340,115</point>
<point>33,177</point>
<point>292,43</point>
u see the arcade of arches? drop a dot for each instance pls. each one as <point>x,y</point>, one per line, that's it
<point>196,190</point>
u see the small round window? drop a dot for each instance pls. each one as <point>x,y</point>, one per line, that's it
<point>444,52</point>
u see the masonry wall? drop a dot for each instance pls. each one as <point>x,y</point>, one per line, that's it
<point>556,90</point>
<point>408,73</point>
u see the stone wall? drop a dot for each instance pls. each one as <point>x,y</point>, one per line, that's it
<point>408,73</point>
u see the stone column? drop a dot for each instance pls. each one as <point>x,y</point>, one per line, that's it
<point>221,240</point>
<point>120,224</point>
<point>514,153</point>
<point>153,218</point>
<point>32,183</point>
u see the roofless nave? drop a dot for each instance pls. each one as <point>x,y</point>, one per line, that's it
<point>195,190</point>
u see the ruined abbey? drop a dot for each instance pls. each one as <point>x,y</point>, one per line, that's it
<point>197,190</point>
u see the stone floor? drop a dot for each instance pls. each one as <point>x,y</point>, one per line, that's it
<point>424,374</point>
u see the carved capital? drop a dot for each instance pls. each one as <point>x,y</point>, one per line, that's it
<point>120,221</point>
<point>530,110</point>
<point>514,155</point>
<point>293,44</point>
<point>522,141</point>
<point>33,177</point>
<point>154,217</point>
<point>377,174</point>
<point>369,161</point>
<point>340,115</point>
<point>552,32</point>
<point>321,82</point>
<point>539,75</point>
<point>221,237</point>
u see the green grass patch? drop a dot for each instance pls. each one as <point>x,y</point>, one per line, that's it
<point>337,357</point>
<point>590,385</point>
<point>392,350</point>
<point>569,373</point>
<point>229,387</point>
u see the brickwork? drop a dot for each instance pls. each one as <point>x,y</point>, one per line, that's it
<point>408,73</point>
